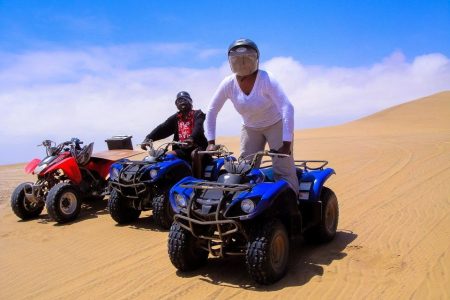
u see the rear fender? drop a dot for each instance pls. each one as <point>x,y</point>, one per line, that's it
<point>311,183</point>
<point>70,168</point>
<point>29,168</point>
<point>100,165</point>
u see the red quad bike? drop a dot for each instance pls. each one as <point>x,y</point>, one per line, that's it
<point>67,175</point>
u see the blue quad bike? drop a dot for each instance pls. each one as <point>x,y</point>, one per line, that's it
<point>137,186</point>
<point>245,212</point>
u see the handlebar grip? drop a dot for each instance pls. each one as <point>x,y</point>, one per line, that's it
<point>209,152</point>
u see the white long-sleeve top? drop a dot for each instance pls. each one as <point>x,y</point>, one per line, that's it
<point>264,106</point>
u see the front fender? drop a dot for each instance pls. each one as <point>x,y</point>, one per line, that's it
<point>29,168</point>
<point>69,167</point>
<point>265,194</point>
<point>186,192</point>
<point>172,170</point>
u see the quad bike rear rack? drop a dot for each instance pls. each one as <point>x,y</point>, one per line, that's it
<point>303,164</point>
<point>220,234</point>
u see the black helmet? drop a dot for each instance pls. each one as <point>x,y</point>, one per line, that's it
<point>243,42</point>
<point>184,95</point>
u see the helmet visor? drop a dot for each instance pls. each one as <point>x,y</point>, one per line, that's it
<point>243,61</point>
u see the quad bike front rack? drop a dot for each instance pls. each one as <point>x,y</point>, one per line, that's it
<point>220,233</point>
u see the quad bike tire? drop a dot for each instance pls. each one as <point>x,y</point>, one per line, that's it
<point>162,211</point>
<point>120,211</point>
<point>63,202</point>
<point>268,252</point>
<point>325,230</point>
<point>184,253</point>
<point>21,206</point>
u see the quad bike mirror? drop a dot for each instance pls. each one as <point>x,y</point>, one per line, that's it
<point>47,143</point>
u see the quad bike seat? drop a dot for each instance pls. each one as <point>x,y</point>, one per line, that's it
<point>268,173</point>
<point>84,155</point>
<point>199,161</point>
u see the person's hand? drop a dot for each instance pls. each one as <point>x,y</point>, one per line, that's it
<point>144,144</point>
<point>189,143</point>
<point>286,148</point>
<point>212,147</point>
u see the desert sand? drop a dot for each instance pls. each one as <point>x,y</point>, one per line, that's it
<point>393,240</point>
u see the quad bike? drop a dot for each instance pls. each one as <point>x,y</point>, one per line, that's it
<point>66,176</point>
<point>138,186</point>
<point>245,212</point>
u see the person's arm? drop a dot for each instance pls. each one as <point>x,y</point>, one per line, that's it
<point>287,112</point>
<point>163,130</point>
<point>216,104</point>
<point>198,131</point>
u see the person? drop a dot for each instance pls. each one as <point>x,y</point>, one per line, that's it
<point>186,126</point>
<point>267,114</point>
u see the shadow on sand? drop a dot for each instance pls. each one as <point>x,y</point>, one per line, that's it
<point>144,223</point>
<point>305,262</point>
<point>90,209</point>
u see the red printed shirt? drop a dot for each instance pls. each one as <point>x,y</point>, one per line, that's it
<point>185,125</point>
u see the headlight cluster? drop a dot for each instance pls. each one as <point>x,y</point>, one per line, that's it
<point>39,169</point>
<point>153,173</point>
<point>248,206</point>
<point>181,200</point>
<point>114,174</point>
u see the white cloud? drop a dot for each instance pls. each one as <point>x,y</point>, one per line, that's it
<point>98,92</point>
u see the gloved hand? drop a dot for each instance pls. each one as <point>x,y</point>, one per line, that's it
<point>145,143</point>
<point>212,147</point>
<point>286,148</point>
<point>189,143</point>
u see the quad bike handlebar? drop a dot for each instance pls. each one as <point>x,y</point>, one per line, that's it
<point>51,148</point>
<point>220,151</point>
<point>162,149</point>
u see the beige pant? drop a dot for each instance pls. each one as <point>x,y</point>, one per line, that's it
<point>254,140</point>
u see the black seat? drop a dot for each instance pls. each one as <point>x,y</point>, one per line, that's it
<point>83,156</point>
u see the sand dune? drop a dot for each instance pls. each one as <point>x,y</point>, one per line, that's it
<point>393,241</point>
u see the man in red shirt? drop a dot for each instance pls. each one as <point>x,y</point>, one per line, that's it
<point>186,126</point>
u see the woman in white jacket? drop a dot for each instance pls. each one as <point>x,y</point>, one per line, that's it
<point>267,114</point>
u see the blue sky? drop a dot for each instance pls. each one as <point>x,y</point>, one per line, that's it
<point>343,33</point>
<point>84,63</point>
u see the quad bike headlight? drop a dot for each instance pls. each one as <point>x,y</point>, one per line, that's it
<point>114,174</point>
<point>247,206</point>
<point>180,200</point>
<point>153,173</point>
<point>39,169</point>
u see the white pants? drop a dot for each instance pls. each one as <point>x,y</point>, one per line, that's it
<point>255,139</point>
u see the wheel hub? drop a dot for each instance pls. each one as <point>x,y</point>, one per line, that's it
<point>68,203</point>
<point>278,252</point>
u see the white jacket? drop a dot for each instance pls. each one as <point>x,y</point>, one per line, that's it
<point>264,106</point>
